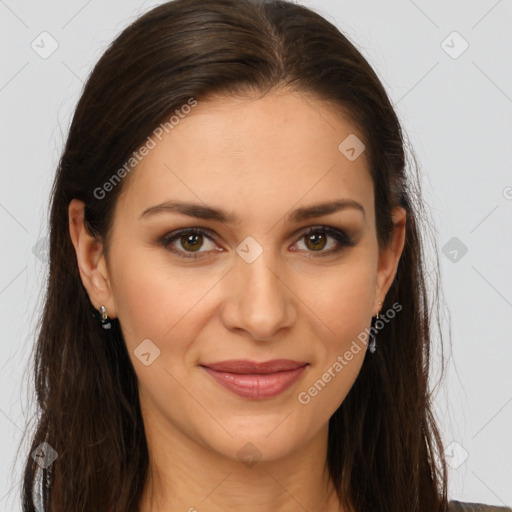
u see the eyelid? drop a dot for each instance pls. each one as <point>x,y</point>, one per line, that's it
<point>340,235</point>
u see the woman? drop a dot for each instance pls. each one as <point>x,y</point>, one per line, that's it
<point>236,316</point>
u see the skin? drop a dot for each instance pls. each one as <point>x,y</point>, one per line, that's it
<point>258,158</point>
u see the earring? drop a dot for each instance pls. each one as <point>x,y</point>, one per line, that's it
<point>105,321</point>
<point>372,346</point>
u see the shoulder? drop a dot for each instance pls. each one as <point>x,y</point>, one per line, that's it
<point>459,506</point>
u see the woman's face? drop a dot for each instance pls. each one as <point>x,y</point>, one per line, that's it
<point>254,286</point>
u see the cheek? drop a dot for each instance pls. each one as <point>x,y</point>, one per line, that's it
<point>159,302</point>
<point>146,303</point>
<point>342,300</point>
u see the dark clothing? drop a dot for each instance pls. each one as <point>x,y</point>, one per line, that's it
<point>459,506</point>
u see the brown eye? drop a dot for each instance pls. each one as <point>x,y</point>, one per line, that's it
<point>191,242</point>
<point>187,242</point>
<point>316,241</point>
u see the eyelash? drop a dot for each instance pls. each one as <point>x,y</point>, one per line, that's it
<point>340,236</point>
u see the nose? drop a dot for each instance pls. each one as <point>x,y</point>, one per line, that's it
<point>259,300</point>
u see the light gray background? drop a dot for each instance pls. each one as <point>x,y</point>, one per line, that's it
<point>457,113</point>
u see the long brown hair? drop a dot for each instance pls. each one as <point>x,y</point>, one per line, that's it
<point>385,452</point>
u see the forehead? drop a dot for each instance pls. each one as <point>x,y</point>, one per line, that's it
<point>255,155</point>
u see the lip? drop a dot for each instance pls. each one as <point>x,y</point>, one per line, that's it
<point>246,366</point>
<point>254,380</point>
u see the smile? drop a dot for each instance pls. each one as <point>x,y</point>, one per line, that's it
<point>256,385</point>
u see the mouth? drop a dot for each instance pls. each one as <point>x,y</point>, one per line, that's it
<point>253,380</point>
<point>245,366</point>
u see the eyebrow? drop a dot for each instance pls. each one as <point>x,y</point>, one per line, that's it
<point>202,211</point>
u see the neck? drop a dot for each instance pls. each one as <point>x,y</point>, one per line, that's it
<point>190,477</point>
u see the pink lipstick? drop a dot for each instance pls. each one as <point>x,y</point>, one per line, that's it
<point>254,380</point>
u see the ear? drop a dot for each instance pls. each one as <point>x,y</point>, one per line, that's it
<point>91,261</point>
<point>389,257</point>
